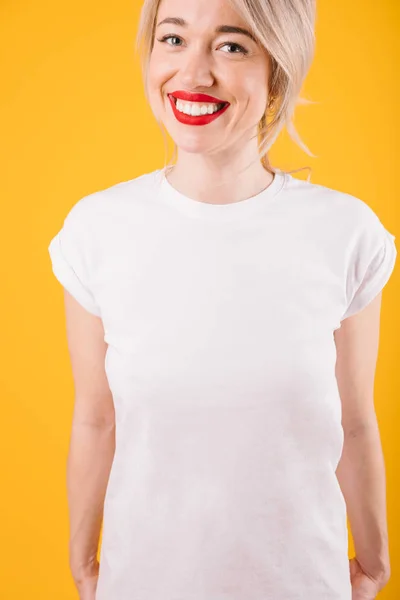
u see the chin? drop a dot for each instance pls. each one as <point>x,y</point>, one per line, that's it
<point>194,146</point>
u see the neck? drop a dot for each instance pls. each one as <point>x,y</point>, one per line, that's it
<point>207,183</point>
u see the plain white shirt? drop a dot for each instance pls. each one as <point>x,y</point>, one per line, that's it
<point>219,321</point>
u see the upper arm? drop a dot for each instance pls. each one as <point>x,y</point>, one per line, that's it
<point>73,255</point>
<point>370,263</point>
<point>357,344</point>
<point>87,350</point>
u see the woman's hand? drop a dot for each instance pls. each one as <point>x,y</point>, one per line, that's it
<point>87,585</point>
<point>364,586</point>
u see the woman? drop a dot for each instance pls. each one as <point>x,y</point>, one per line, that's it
<point>223,318</point>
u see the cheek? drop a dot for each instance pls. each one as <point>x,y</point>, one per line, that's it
<point>160,63</point>
<point>154,71</point>
<point>159,73</point>
<point>156,79</point>
<point>254,85</point>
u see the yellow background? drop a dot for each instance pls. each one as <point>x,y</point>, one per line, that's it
<point>73,120</point>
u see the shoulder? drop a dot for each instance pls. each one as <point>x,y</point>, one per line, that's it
<point>360,249</point>
<point>336,210</point>
<point>92,208</point>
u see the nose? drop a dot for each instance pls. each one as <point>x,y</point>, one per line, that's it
<point>194,70</point>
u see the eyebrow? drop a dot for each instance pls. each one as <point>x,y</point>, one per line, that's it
<point>221,29</point>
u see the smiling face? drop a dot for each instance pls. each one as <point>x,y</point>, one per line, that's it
<point>191,56</point>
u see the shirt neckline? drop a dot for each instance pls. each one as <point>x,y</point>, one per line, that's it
<point>220,212</point>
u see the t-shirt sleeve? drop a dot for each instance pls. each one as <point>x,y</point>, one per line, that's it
<point>371,266</point>
<point>69,258</point>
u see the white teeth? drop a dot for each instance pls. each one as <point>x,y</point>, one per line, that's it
<point>196,109</point>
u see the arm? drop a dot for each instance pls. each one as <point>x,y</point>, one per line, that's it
<point>361,470</point>
<point>92,441</point>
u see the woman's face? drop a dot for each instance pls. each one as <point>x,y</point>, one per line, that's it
<point>192,56</point>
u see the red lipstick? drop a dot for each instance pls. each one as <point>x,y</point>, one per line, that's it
<point>191,97</point>
<point>200,119</point>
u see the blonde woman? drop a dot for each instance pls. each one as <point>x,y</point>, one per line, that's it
<point>222,321</point>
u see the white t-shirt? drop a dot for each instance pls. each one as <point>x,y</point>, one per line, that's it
<point>219,321</point>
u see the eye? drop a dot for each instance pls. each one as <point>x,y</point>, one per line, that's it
<point>241,49</point>
<point>168,37</point>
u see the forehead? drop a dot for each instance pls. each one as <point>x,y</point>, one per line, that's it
<point>200,14</point>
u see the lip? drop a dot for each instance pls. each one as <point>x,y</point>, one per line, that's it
<point>197,119</point>
<point>189,97</point>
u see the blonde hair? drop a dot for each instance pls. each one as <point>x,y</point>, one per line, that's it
<point>286,31</point>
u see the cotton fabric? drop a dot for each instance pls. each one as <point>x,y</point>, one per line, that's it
<point>220,323</point>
